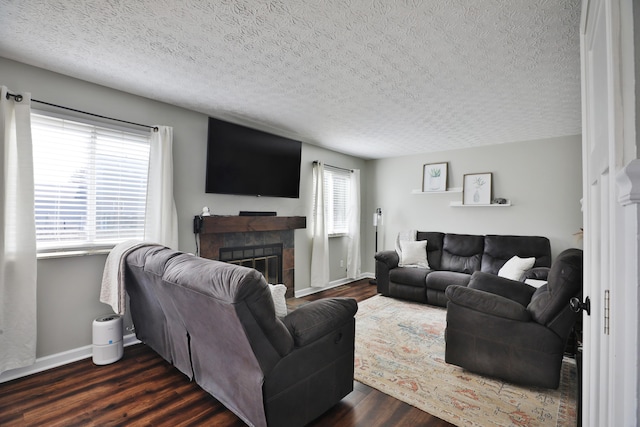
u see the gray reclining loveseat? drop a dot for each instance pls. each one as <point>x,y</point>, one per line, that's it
<point>216,323</point>
<point>452,259</point>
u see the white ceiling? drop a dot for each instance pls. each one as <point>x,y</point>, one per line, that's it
<point>371,78</point>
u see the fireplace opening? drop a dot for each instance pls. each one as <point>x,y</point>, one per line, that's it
<point>267,259</point>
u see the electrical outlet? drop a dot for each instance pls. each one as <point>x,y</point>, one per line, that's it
<point>341,263</point>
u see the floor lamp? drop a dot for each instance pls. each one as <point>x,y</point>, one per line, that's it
<point>377,220</point>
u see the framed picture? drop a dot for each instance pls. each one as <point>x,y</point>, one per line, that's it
<point>476,189</point>
<point>434,177</point>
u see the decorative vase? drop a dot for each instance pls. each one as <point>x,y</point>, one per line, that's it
<point>434,182</point>
<point>476,196</point>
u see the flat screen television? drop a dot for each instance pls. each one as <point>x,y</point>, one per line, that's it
<point>245,161</point>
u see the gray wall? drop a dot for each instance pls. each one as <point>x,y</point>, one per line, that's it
<point>541,178</point>
<point>68,288</point>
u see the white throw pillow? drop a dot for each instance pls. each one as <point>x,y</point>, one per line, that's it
<point>515,268</point>
<point>279,301</point>
<point>535,282</point>
<point>413,254</point>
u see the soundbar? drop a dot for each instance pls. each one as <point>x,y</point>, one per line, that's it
<point>257,213</point>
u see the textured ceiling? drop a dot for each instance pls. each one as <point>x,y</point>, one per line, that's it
<point>372,78</point>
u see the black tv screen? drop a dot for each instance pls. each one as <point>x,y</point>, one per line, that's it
<point>245,161</point>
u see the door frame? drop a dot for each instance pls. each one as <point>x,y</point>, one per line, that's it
<point>611,195</point>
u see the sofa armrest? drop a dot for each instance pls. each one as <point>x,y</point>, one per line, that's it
<point>517,291</point>
<point>485,302</point>
<point>537,273</point>
<point>385,262</point>
<point>319,318</point>
<point>389,258</point>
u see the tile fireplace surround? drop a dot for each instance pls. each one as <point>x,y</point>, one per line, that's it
<point>239,231</point>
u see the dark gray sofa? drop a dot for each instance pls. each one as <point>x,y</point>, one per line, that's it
<point>453,258</point>
<point>510,330</point>
<point>216,323</point>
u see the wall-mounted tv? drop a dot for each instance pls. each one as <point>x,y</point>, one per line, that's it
<point>245,161</point>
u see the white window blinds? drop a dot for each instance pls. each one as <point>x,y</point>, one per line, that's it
<point>337,188</point>
<point>90,183</point>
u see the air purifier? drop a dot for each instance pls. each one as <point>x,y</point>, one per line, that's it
<point>107,339</point>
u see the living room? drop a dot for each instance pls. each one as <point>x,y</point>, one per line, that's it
<point>542,179</point>
<point>534,175</point>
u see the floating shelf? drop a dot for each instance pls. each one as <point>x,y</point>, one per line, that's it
<point>450,190</point>
<point>492,205</point>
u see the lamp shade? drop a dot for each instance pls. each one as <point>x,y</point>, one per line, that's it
<point>377,217</point>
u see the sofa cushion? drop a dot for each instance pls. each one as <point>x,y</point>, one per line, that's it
<point>434,247</point>
<point>409,276</point>
<point>511,289</point>
<point>488,303</point>
<point>499,249</point>
<point>440,280</point>
<point>462,253</point>
<point>411,293</point>
<point>413,254</point>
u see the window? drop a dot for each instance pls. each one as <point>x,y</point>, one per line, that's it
<point>337,184</point>
<point>90,183</point>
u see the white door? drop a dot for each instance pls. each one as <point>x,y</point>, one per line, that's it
<point>611,177</point>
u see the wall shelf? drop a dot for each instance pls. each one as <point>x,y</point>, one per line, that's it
<point>450,190</point>
<point>492,205</point>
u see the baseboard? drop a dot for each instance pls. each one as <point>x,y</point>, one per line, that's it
<point>58,359</point>
<point>334,284</point>
<point>368,275</point>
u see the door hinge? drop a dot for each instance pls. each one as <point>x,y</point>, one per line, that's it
<point>607,313</point>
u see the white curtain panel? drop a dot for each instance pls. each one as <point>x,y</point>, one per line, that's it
<point>320,238</point>
<point>17,236</point>
<point>161,222</point>
<point>353,216</point>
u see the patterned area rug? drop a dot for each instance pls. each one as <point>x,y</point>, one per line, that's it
<point>400,351</point>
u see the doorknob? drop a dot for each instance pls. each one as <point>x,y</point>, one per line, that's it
<point>577,305</point>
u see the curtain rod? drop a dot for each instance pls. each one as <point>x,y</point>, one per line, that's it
<point>315,162</point>
<point>18,98</point>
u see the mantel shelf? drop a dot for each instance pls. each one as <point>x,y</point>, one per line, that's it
<point>450,190</point>
<point>232,224</point>
<point>492,205</point>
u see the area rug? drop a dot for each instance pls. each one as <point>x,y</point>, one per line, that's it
<point>400,351</point>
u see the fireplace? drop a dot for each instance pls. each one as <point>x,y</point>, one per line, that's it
<point>267,259</point>
<point>261,242</point>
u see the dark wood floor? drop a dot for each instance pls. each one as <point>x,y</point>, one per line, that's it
<point>144,390</point>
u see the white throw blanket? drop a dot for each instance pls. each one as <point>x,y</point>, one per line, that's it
<point>405,236</point>
<point>112,291</point>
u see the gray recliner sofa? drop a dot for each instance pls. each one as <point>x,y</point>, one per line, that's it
<point>510,330</point>
<point>452,259</point>
<point>216,323</point>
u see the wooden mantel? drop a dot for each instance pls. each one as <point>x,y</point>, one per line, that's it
<point>239,224</point>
